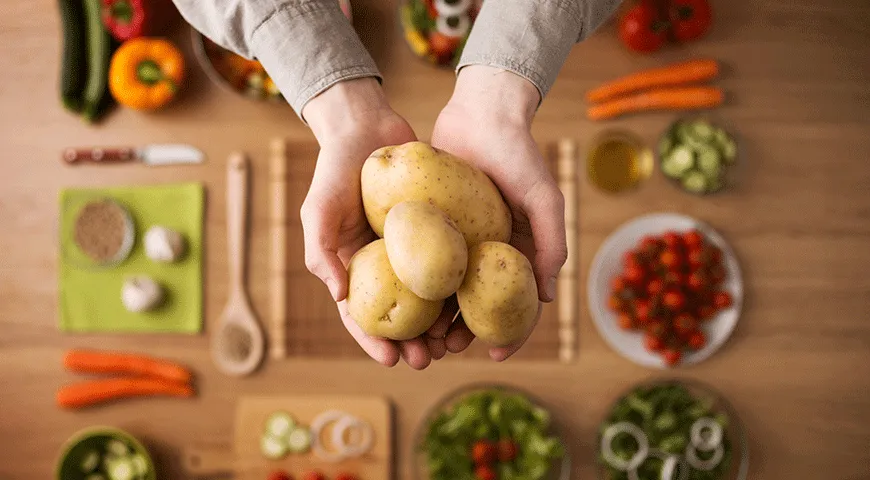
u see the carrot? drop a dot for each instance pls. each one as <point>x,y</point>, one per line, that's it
<point>92,392</point>
<point>89,361</point>
<point>675,74</point>
<point>661,99</point>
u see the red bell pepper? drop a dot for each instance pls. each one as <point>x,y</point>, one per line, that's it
<point>126,19</point>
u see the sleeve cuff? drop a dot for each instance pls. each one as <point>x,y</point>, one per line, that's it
<point>307,47</point>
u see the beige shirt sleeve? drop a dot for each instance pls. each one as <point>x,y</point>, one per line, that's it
<point>305,45</point>
<point>532,38</point>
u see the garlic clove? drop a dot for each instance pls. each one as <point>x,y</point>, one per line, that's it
<point>163,244</point>
<point>141,293</point>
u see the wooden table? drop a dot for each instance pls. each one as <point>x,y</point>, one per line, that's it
<point>798,80</point>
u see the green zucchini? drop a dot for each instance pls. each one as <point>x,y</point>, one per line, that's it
<point>678,162</point>
<point>140,465</point>
<point>695,182</point>
<point>90,462</point>
<point>709,162</point>
<point>697,154</point>
<point>279,424</point>
<point>273,448</point>
<point>299,440</point>
<point>121,468</point>
<point>73,63</point>
<point>117,448</point>
<point>95,476</point>
<point>96,97</point>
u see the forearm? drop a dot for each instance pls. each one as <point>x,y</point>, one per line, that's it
<point>532,38</point>
<point>306,46</point>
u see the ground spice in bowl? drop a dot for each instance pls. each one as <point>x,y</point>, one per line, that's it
<point>104,231</point>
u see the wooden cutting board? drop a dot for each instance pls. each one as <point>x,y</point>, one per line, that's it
<point>247,463</point>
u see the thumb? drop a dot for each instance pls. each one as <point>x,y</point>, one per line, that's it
<point>544,205</point>
<point>320,230</point>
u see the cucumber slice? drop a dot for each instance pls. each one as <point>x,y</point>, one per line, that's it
<point>695,182</point>
<point>273,448</point>
<point>90,461</point>
<point>95,476</point>
<point>729,151</point>
<point>121,469</point>
<point>710,163</point>
<point>140,465</point>
<point>714,184</point>
<point>279,424</point>
<point>702,130</point>
<point>665,145</point>
<point>299,440</point>
<point>678,162</point>
<point>117,448</point>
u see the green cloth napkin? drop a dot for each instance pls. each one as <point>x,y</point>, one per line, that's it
<point>90,295</point>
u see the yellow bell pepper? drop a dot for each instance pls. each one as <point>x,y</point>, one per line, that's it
<point>145,73</point>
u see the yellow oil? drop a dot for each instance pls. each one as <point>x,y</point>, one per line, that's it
<point>618,162</point>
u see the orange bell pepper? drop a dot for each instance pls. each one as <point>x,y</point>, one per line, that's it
<point>146,73</point>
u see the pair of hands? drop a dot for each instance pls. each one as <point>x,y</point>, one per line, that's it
<point>486,122</point>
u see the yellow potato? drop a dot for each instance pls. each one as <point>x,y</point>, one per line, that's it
<point>499,297</point>
<point>378,301</point>
<point>425,249</point>
<point>416,171</point>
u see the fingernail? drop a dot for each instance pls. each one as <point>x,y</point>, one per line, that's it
<point>551,288</point>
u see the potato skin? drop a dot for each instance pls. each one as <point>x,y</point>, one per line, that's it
<point>426,249</point>
<point>499,296</point>
<point>417,171</point>
<point>378,301</point>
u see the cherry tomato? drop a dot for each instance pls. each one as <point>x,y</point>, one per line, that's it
<point>654,287</point>
<point>641,311</point>
<point>642,29</point>
<point>673,277</point>
<point>617,284</point>
<point>670,259</point>
<point>672,356</point>
<point>674,300</point>
<point>672,240</point>
<point>684,324</point>
<point>485,472</point>
<point>722,300</point>
<point>697,257</point>
<point>614,303</point>
<point>697,281</point>
<point>483,452</point>
<point>625,321</point>
<point>507,450</point>
<point>631,259</point>
<point>656,329</point>
<point>705,312</point>
<point>653,343</point>
<point>443,46</point>
<point>279,475</point>
<point>715,254</point>
<point>693,239</point>
<point>313,475</point>
<point>345,476</point>
<point>717,274</point>
<point>690,19</point>
<point>697,340</point>
<point>634,275</point>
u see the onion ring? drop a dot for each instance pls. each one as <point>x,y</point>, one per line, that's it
<point>317,426</point>
<point>610,456</point>
<point>668,467</point>
<point>705,465</point>
<point>346,424</point>
<point>706,424</point>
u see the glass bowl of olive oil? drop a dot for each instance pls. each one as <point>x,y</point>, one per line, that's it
<point>618,161</point>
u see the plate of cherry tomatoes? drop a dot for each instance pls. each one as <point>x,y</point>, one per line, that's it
<point>665,290</point>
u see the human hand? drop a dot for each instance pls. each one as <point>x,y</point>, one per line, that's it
<point>487,122</point>
<point>351,120</point>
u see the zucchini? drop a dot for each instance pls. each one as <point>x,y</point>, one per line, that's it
<point>140,465</point>
<point>96,97</point>
<point>665,145</point>
<point>678,162</point>
<point>121,468</point>
<point>299,440</point>
<point>117,448</point>
<point>709,162</point>
<point>695,182</point>
<point>90,462</point>
<point>279,424</point>
<point>95,476</point>
<point>73,63</point>
<point>697,153</point>
<point>273,448</point>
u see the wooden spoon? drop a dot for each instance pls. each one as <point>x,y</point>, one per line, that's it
<point>237,345</point>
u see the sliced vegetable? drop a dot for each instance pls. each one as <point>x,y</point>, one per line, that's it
<point>117,448</point>
<point>685,98</point>
<point>299,440</point>
<point>697,154</point>
<point>140,465</point>
<point>273,448</point>
<point>73,71</point>
<point>342,436</point>
<point>120,468</point>
<point>706,434</point>
<point>279,424</point>
<point>92,392</point>
<point>617,459</point>
<point>96,98</point>
<point>90,462</point>
<point>694,71</point>
<point>705,464</point>
<point>95,476</point>
<point>90,361</point>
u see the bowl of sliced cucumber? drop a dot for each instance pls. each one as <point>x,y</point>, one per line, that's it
<point>104,453</point>
<point>698,155</point>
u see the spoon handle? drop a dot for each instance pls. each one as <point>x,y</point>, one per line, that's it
<point>237,199</point>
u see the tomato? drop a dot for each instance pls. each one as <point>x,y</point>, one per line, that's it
<point>345,476</point>
<point>483,452</point>
<point>279,475</point>
<point>697,257</point>
<point>722,300</point>
<point>507,450</point>
<point>485,472</point>
<point>654,287</point>
<point>674,300</point>
<point>656,329</point>
<point>697,340</point>
<point>705,312</point>
<point>631,259</point>
<point>693,239</point>
<point>717,274</point>
<point>690,19</point>
<point>443,46</point>
<point>653,343</point>
<point>313,475</point>
<point>634,275</point>
<point>641,311</point>
<point>697,281</point>
<point>684,324</point>
<point>614,303</point>
<point>715,254</point>
<point>617,284</point>
<point>672,356</point>
<point>672,240</point>
<point>670,259</point>
<point>642,29</point>
<point>625,321</point>
<point>650,245</point>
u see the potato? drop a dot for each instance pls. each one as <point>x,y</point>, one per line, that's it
<point>499,297</point>
<point>425,249</point>
<point>417,171</point>
<point>378,301</point>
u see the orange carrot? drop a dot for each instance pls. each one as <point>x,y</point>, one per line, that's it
<point>92,392</point>
<point>89,361</point>
<point>676,74</point>
<point>662,99</point>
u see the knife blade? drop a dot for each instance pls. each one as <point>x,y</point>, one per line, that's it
<point>156,154</point>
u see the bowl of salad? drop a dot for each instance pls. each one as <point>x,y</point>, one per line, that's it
<point>104,453</point>
<point>698,155</point>
<point>672,430</point>
<point>490,432</point>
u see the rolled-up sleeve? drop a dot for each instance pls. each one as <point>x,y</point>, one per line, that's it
<point>306,46</point>
<point>532,38</point>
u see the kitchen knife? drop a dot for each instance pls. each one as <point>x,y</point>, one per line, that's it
<point>158,154</point>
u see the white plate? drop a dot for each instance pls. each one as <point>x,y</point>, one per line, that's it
<point>608,263</point>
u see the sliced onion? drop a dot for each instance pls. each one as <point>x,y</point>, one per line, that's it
<point>445,9</point>
<point>463,25</point>
<point>614,460</point>
<point>706,465</point>
<point>668,467</point>
<point>317,425</point>
<point>347,424</point>
<point>712,429</point>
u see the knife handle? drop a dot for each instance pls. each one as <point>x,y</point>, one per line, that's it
<point>73,156</point>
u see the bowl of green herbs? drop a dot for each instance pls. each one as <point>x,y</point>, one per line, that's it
<point>489,432</point>
<point>672,430</point>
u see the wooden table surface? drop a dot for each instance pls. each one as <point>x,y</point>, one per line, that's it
<point>798,82</point>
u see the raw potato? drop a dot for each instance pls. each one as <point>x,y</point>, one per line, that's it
<point>378,301</point>
<point>499,297</point>
<point>426,250</point>
<point>417,171</point>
